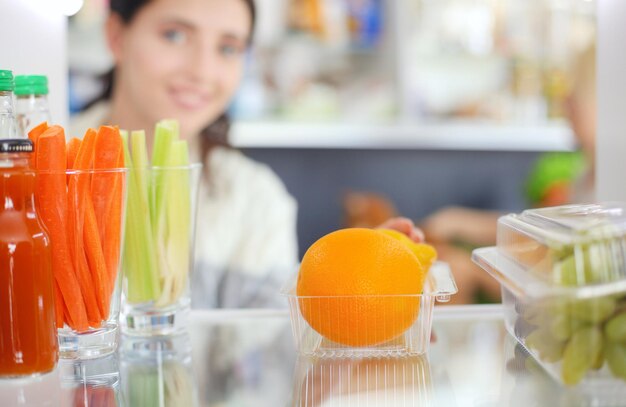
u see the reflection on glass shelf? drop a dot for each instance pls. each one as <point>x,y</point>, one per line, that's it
<point>42,391</point>
<point>363,382</point>
<point>91,383</point>
<point>158,372</point>
<point>526,383</point>
<point>243,361</point>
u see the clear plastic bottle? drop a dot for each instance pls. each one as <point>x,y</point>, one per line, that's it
<point>32,105</point>
<point>28,343</point>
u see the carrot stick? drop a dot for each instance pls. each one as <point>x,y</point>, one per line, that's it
<point>84,156</point>
<point>95,258</point>
<point>58,305</point>
<point>33,135</point>
<point>78,192</point>
<point>52,206</point>
<point>72,151</point>
<point>107,152</point>
<point>113,228</point>
<point>67,318</point>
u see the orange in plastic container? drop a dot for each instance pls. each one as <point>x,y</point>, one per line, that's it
<point>28,342</point>
<point>360,287</point>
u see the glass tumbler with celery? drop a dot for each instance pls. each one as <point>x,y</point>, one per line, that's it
<point>160,231</point>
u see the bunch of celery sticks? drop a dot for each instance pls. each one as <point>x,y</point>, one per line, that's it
<point>157,247</point>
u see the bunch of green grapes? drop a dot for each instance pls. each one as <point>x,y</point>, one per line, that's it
<point>582,334</point>
<point>600,260</point>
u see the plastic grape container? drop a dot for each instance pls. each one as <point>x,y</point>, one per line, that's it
<point>564,291</point>
<point>360,319</point>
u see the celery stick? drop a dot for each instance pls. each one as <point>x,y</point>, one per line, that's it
<point>150,276</point>
<point>131,249</point>
<point>176,235</point>
<point>172,124</point>
<point>179,247</point>
<point>139,154</point>
<point>164,135</point>
<point>139,251</point>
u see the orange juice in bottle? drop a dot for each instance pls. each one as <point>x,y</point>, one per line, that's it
<point>28,343</point>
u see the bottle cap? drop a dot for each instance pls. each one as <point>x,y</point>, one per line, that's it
<point>31,85</point>
<point>6,81</point>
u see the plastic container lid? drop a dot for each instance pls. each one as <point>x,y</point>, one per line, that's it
<point>6,81</point>
<point>31,85</point>
<point>525,285</point>
<point>571,224</point>
<point>577,250</point>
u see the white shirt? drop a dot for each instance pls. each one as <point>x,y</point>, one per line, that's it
<point>246,245</point>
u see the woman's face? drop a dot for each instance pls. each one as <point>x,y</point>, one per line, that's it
<point>182,59</point>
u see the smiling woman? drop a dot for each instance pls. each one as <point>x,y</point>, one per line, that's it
<point>183,59</point>
<point>174,58</point>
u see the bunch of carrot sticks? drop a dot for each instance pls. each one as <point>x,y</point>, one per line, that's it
<point>79,198</point>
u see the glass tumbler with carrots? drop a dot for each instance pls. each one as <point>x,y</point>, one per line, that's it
<point>80,194</point>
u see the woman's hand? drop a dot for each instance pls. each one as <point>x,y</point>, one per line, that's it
<point>406,226</point>
<point>467,225</point>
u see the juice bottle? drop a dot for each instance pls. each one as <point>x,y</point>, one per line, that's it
<point>28,343</point>
<point>31,107</point>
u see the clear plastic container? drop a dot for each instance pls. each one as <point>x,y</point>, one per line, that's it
<point>415,311</point>
<point>569,245</point>
<point>563,296</point>
<point>526,383</point>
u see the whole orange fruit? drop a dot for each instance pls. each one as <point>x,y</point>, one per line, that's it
<point>358,287</point>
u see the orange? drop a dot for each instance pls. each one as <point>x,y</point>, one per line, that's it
<point>359,287</point>
<point>425,253</point>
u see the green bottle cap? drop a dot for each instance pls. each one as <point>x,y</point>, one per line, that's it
<point>6,81</point>
<point>31,85</point>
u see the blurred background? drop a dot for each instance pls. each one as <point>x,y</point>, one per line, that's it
<point>369,107</point>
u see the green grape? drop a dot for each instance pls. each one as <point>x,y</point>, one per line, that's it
<point>549,349</point>
<point>535,315</point>
<point>615,329</point>
<point>533,366</point>
<point>563,326</point>
<point>597,262</point>
<point>566,272</point>
<point>589,263</point>
<point>580,354</point>
<point>599,362</point>
<point>557,306</point>
<point>616,359</point>
<point>559,252</point>
<point>593,310</point>
<point>560,327</point>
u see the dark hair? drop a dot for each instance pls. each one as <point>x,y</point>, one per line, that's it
<point>216,134</point>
